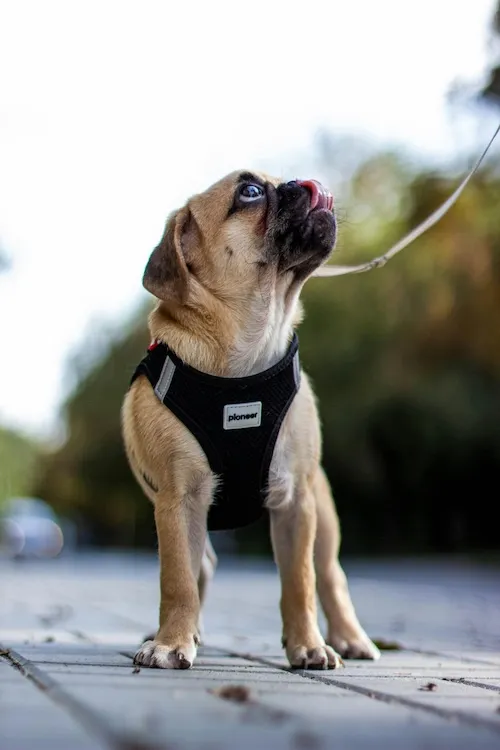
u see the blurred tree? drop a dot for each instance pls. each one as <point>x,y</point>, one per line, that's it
<point>89,478</point>
<point>18,458</point>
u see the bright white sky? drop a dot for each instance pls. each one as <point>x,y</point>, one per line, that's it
<point>112,113</point>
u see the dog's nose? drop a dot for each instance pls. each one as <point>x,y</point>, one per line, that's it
<point>320,196</point>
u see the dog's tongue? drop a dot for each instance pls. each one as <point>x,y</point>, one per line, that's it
<point>320,196</point>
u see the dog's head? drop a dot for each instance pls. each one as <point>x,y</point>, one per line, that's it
<point>247,233</point>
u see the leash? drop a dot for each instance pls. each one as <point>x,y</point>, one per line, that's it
<point>415,233</point>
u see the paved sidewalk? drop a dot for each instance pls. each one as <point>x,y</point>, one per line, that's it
<point>69,628</point>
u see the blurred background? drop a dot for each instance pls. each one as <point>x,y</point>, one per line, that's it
<point>112,114</point>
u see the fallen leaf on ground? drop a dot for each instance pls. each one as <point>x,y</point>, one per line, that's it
<point>384,645</point>
<point>235,693</point>
<point>429,687</point>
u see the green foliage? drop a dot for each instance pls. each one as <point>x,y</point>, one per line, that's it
<point>89,478</point>
<point>405,362</point>
<point>18,458</point>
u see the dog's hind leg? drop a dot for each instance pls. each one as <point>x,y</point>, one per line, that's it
<point>345,633</point>
<point>207,571</point>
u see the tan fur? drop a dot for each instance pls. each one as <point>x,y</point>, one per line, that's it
<point>226,313</point>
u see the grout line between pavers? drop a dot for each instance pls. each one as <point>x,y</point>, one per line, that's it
<point>456,657</point>
<point>460,716</point>
<point>81,713</point>
<point>471,683</point>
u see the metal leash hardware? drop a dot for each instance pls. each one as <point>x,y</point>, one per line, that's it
<point>333,270</point>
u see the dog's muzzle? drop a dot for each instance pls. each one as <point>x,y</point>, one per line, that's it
<point>303,231</point>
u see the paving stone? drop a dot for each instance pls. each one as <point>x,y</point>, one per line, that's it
<point>56,654</point>
<point>167,679</point>
<point>188,716</point>
<point>449,696</point>
<point>18,636</point>
<point>99,608</point>
<point>181,712</point>
<point>30,720</point>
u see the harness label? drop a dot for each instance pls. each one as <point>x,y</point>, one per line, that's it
<point>238,416</point>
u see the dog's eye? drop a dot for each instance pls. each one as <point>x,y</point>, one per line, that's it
<point>250,192</point>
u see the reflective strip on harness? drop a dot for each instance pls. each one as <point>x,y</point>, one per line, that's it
<point>163,384</point>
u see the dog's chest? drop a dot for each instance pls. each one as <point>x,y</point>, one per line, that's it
<point>296,451</point>
<point>281,478</point>
<point>283,468</point>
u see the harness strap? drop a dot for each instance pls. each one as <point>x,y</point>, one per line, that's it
<point>236,421</point>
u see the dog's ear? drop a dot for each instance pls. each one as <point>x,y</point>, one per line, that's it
<point>167,275</point>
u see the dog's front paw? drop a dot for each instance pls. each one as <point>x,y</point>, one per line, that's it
<point>315,657</point>
<point>354,645</point>
<point>166,656</point>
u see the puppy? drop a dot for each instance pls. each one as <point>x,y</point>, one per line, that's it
<point>220,422</point>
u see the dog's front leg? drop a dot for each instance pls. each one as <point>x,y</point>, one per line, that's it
<point>181,533</point>
<point>293,529</point>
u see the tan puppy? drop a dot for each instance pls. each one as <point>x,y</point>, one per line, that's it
<point>228,273</point>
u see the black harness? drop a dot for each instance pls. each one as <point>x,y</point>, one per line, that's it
<point>235,420</point>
